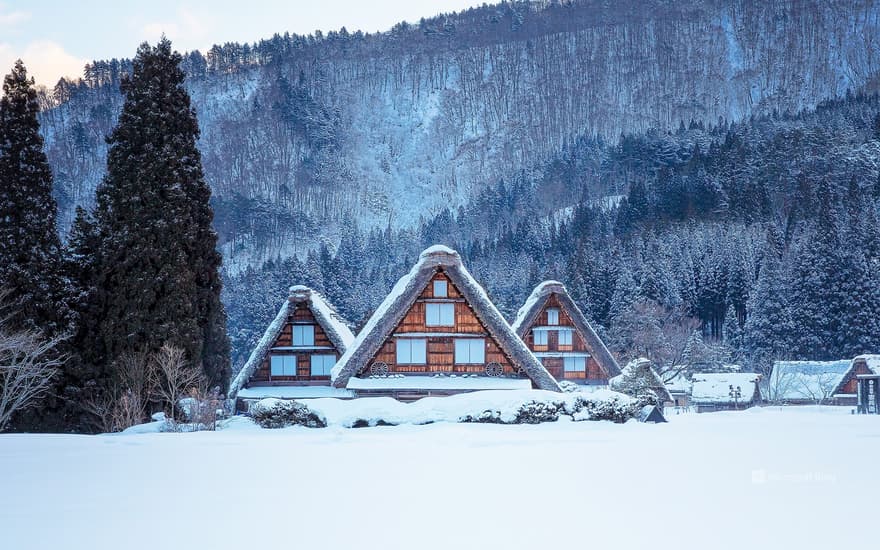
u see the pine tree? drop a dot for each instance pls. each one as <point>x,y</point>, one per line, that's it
<point>766,332</point>
<point>158,268</point>
<point>29,244</point>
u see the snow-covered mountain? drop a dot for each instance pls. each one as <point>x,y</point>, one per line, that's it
<point>301,135</point>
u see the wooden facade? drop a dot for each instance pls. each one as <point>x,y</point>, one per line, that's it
<point>283,346</point>
<point>554,319</point>
<point>440,339</point>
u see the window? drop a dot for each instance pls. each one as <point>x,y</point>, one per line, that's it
<point>440,315</point>
<point>565,337</point>
<point>575,364</point>
<point>412,352</point>
<point>540,337</point>
<point>552,316</point>
<point>303,335</point>
<point>321,364</point>
<point>282,365</point>
<point>440,289</point>
<point>470,351</point>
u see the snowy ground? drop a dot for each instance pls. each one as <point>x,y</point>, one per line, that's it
<point>764,478</point>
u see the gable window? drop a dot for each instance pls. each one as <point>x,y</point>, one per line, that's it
<point>540,337</point>
<point>282,365</point>
<point>412,351</point>
<point>440,315</point>
<point>321,364</point>
<point>303,335</point>
<point>470,351</point>
<point>565,336</point>
<point>552,316</point>
<point>441,289</point>
<point>575,364</point>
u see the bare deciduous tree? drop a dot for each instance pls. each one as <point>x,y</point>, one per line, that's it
<point>28,363</point>
<point>173,377</point>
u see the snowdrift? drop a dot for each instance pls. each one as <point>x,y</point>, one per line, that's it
<point>497,407</point>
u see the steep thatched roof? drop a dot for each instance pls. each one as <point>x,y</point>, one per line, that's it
<point>528,313</point>
<point>325,315</point>
<point>404,294</point>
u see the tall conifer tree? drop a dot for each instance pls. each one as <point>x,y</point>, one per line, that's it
<point>29,243</point>
<point>158,271</point>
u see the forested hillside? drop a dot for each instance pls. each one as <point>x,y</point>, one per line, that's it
<point>737,243</point>
<point>301,134</point>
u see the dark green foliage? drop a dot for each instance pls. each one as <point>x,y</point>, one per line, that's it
<point>29,244</point>
<point>156,278</point>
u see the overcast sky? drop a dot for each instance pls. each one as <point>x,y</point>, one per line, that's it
<point>57,37</point>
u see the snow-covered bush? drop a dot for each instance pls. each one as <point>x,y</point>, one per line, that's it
<point>280,413</point>
<point>569,387</point>
<point>486,417</point>
<point>616,408</point>
<point>535,412</point>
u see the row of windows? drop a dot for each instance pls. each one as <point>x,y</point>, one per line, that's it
<point>414,351</point>
<point>565,337</point>
<point>285,365</point>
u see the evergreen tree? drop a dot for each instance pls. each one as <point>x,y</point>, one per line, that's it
<point>158,269</point>
<point>30,249</point>
<point>767,328</point>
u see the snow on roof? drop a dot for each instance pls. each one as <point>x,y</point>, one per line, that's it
<point>715,387</point>
<point>871,360</point>
<point>528,313</point>
<point>437,249</point>
<point>805,380</point>
<point>438,383</point>
<point>392,309</point>
<point>326,316</point>
<point>539,294</point>
<point>293,392</point>
<point>679,384</point>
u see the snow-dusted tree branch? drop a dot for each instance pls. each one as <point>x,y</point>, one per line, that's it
<point>173,377</point>
<point>28,363</point>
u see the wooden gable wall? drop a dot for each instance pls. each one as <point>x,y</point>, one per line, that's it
<point>440,340</point>
<point>578,345</point>
<point>850,382</point>
<point>300,314</point>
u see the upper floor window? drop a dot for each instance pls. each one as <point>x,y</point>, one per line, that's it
<point>303,335</point>
<point>282,365</point>
<point>440,315</point>
<point>565,337</point>
<point>441,289</point>
<point>412,351</point>
<point>540,337</point>
<point>470,351</point>
<point>552,316</point>
<point>321,364</point>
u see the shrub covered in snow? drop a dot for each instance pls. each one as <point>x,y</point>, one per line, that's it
<point>535,412</point>
<point>569,387</point>
<point>280,413</point>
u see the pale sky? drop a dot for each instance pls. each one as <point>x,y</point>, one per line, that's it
<point>57,37</point>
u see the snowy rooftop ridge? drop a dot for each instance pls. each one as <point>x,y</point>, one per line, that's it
<point>872,360</point>
<point>333,324</point>
<point>805,380</point>
<point>543,290</point>
<point>715,387</point>
<point>405,292</point>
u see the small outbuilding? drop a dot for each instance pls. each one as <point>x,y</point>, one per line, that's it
<point>725,391</point>
<point>651,413</point>
<point>864,368</point>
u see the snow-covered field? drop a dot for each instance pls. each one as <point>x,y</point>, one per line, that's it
<point>765,478</point>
